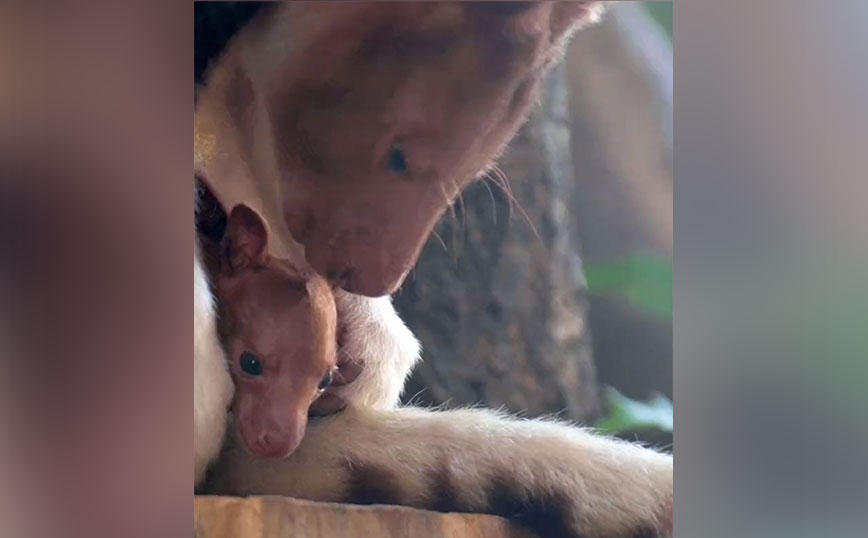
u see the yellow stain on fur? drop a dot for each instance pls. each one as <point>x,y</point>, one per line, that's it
<point>204,143</point>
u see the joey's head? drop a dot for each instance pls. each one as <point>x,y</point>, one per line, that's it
<point>372,116</point>
<point>278,330</point>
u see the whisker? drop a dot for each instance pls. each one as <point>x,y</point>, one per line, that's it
<point>508,191</point>
<point>411,401</point>
<point>485,181</point>
<point>448,203</point>
<point>502,181</point>
<point>454,225</point>
<point>440,239</point>
<point>460,202</point>
<point>463,211</point>
<point>528,220</point>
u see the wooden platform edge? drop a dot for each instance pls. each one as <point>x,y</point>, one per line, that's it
<point>284,517</point>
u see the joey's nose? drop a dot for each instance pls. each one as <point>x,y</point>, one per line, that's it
<point>277,444</point>
<point>270,445</point>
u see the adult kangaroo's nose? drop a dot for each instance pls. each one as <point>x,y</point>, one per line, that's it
<point>374,266</point>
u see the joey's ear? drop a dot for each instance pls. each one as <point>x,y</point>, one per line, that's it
<point>246,238</point>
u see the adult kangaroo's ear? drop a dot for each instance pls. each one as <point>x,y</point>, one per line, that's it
<point>569,16</point>
<point>534,32</point>
<point>246,238</point>
<point>562,16</point>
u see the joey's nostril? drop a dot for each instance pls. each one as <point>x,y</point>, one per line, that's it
<point>270,445</point>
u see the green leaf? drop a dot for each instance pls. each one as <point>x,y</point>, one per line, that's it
<point>662,13</point>
<point>627,415</point>
<point>643,281</point>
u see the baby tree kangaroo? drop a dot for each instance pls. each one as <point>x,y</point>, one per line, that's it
<point>277,321</point>
<point>559,480</point>
<point>279,331</point>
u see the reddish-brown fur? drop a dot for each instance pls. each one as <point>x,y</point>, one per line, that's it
<point>342,85</point>
<point>285,317</point>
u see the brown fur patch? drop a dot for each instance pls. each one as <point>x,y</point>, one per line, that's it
<point>548,513</point>
<point>666,517</point>
<point>296,138</point>
<point>372,484</point>
<point>239,104</point>
<point>411,46</point>
<point>239,96</point>
<point>645,532</point>
<point>444,491</point>
<point>500,9</point>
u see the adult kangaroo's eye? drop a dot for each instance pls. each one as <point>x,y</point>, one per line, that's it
<point>397,161</point>
<point>327,380</point>
<point>250,364</point>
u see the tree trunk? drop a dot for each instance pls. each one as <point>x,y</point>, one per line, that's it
<point>496,297</point>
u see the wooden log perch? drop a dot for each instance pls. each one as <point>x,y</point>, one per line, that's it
<point>283,517</point>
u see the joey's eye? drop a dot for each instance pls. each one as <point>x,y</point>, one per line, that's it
<point>250,364</point>
<point>327,380</point>
<point>397,161</point>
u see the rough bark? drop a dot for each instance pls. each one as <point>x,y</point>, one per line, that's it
<point>496,297</point>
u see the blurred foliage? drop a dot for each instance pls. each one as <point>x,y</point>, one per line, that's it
<point>643,281</point>
<point>662,13</point>
<point>626,415</point>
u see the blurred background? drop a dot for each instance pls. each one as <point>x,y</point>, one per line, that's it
<point>548,289</point>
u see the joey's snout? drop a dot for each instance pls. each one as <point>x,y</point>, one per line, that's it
<point>270,437</point>
<point>277,443</point>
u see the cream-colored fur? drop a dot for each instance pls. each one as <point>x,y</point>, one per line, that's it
<point>462,460</point>
<point>374,335</point>
<point>212,386</point>
<point>549,475</point>
<point>556,478</point>
<point>472,461</point>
